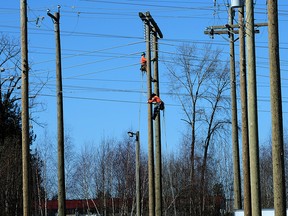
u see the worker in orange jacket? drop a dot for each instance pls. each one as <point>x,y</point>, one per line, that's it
<point>143,62</point>
<point>158,104</point>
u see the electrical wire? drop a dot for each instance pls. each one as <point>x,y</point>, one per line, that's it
<point>83,34</point>
<point>131,102</point>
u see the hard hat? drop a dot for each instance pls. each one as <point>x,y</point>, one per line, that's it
<point>143,53</point>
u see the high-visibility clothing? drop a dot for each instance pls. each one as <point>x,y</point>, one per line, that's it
<point>143,60</point>
<point>154,99</point>
<point>158,105</point>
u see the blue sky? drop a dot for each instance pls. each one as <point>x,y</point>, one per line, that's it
<point>101,41</point>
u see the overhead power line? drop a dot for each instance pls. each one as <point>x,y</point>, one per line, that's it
<point>126,101</point>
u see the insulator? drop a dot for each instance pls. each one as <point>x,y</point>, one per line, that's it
<point>145,31</point>
<point>151,42</point>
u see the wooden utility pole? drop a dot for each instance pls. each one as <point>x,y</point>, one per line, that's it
<point>151,26</point>
<point>253,135</point>
<point>158,151</point>
<point>60,122</point>
<point>25,109</point>
<point>229,29</point>
<point>244,112</point>
<point>150,123</point>
<point>150,128</point>
<point>138,192</point>
<point>276,112</point>
<point>252,111</point>
<point>137,176</point>
<point>235,141</point>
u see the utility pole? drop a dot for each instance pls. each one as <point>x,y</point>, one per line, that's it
<point>235,142</point>
<point>212,30</point>
<point>151,26</point>
<point>138,197</point>
<point>138,201</point>
<point>276,112</point>
<point>244,112</point>
<point>150,123</point>
<point>25,110</point>
<point>252,111</point>
<point>158,160</point>
<point>60,122</point>
<point>151,173</point>
<point>229,29</point>
<point>158,151</point>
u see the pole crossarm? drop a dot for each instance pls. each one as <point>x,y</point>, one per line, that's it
<point>54,18</point>
<point>228,29</point>
<point>235,26</point>
<point>219,32</point>
<point>147,18</point>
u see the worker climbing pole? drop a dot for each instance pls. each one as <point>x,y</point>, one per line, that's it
<point>155,197</point>
<point>158,105</point>
<point>143,68</point>
<point>143,62</point>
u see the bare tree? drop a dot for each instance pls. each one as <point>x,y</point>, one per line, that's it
<point>176,184</point>
<point>9,65</point>
<point>84,174</point>
<point>266,175</point>
<point>70,160</point>
<point>104,178</point>
<point>10,129</point>
<point>200,80</point>
<point>124,172</point>
<point>46,150</point>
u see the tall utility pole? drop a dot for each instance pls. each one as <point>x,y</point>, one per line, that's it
<point>60,122</point>
<point>158,160</point>
<point>229,29</point>
<point>244,112</point>
<point>276,112</point>
<point>25,109</point>
<point>151,26</point>
<point>252,128</point>
<point>235,141</point>
<point>138,197</point>
<point>158,151</point>
<point>252,111</point>
<point>150,128</point>
<point>150,123</point>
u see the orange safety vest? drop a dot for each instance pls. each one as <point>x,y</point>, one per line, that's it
<point>155,99</point>
<point>143,60</point>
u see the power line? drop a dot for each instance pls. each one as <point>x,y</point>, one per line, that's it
<point>96,51</point>
<point>126,101</point>
<point>104,70</point>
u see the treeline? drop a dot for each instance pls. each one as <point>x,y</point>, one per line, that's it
<point>106,171</point>
<point>11,197</point>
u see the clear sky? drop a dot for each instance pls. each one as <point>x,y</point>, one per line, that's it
<point>104,91</point>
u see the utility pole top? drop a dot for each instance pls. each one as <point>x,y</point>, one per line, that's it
<point>235,26</point>
<point>228,29</point>
<point>213,32</point>
<point>56,16</point>
<point>149,19</point>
